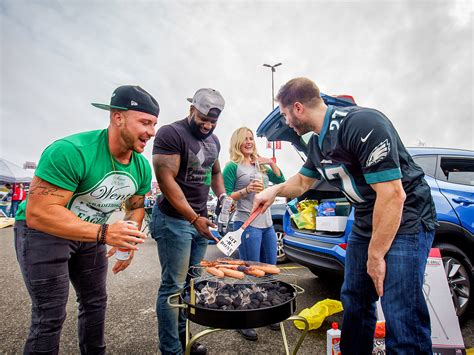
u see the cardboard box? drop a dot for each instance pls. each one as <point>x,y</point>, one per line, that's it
<point>446,333</point>
<point>331,223</point>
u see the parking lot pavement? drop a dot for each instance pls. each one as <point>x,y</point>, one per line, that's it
<point>131,321</point>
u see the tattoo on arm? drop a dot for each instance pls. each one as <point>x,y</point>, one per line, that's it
<point>41,190</point>
<point>135,202</point>
<point>166,164</point>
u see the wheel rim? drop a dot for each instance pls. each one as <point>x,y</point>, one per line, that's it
<point>280,251</point>
<point>459,284</point>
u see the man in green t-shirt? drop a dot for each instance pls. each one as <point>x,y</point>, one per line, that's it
<point>61,231</point>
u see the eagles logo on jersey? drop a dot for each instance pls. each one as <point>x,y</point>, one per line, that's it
<point>378,154</point>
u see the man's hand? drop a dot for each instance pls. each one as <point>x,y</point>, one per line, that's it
<point>124,235</point>
<point>265,198</point>
<point>202,225</point>
<point>120,265</point>
<point>376,268</point>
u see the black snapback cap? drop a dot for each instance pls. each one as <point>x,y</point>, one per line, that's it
<point>129,97</point>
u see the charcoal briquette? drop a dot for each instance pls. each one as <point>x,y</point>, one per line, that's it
<point>222,301</point>
<point>237,301</point>
<point>276,301</point>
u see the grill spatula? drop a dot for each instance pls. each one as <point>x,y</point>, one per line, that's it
<point>231,241</point>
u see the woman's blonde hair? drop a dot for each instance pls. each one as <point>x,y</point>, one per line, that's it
<point>238,137</point>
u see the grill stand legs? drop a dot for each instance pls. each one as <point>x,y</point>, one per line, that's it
<point>196,337</point>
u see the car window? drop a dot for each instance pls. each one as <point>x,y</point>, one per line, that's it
<point>458,170</point>
<point>427,163</point>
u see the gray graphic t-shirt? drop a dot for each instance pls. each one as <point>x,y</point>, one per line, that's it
<point>195,170</point>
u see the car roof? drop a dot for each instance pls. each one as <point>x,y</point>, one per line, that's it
<point>439,151</point>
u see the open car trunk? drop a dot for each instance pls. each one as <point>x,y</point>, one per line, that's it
<point>329,226</point>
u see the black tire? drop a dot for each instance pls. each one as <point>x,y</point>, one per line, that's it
<point>281,256</point>
<point>458,270</point>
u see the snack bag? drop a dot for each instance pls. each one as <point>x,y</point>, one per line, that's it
<point>306,217</point>
<point>327,208</point>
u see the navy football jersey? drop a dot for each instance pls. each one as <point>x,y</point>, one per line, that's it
<point>358,147</point>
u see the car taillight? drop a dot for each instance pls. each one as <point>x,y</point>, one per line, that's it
<point>343,246</point>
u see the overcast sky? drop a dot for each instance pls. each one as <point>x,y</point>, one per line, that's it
<point>413,60</point>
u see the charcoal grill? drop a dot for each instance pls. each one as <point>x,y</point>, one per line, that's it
<point>219,319</point>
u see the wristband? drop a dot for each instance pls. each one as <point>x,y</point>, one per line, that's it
<point>103,233</point>
<point>246,190</point>
<point>194,219</point>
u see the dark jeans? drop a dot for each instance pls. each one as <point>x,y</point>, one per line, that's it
<point>408,328</point>
<point>47,264</point>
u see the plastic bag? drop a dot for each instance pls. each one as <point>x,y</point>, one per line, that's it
<point>327,208</point>
<point>317,313</point>
<point>306,217</point>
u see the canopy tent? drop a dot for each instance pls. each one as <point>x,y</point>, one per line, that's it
<point>13,173</point>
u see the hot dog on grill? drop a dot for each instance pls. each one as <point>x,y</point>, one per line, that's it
<point>267,268</point>
<point>249,270</point>
<point>232,273</point>
<point>230,261</point>
<point>214,271</point>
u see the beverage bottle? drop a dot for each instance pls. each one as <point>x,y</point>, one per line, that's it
<point>225,211</point>
<point>333,339</point>
<point>123,253</point>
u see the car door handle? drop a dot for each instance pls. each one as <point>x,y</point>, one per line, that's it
<point>463,201</point>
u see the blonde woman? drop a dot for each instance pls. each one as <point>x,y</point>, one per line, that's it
<point>246,174</point>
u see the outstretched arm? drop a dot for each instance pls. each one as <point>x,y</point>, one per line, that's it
<point>293,187</point>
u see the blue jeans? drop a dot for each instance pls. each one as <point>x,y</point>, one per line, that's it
<point>47,264</point>
<point>14,208</point>
<point>408,328</point>
<point>179,246</point>
<point>258,244</point>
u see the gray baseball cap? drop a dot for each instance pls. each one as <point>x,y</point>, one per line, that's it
<point>209,102</point>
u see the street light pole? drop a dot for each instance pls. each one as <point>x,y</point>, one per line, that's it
<point>272,67</point>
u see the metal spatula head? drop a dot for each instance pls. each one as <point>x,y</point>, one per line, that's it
<point>231,241</point>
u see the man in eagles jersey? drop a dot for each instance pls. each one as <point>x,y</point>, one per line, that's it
<point>61,235</point>
<point>359,151</point>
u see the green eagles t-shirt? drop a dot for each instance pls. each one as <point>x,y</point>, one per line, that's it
<point>83,164</point>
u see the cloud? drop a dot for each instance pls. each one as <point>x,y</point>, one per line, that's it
<point>410,59</point>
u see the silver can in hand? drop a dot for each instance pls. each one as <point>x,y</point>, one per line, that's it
<point>123,253</point>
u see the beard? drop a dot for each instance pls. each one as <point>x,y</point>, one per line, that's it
<point>129,140</point>
<point>196,131</point>
<point>299,127</point>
